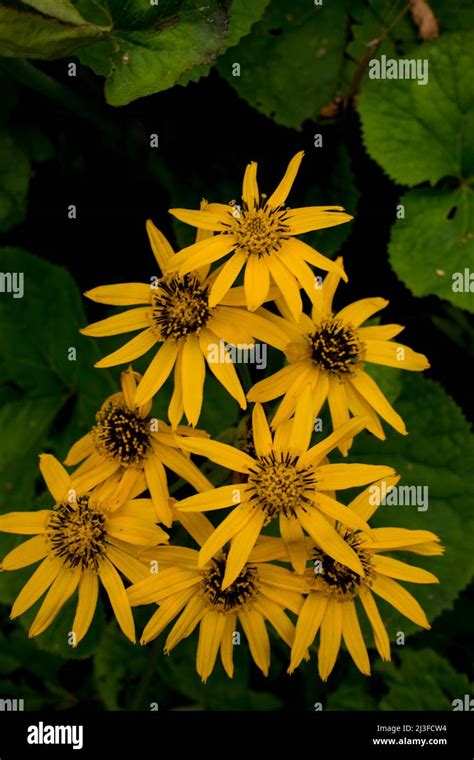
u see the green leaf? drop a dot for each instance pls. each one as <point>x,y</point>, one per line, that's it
<point>141,14</point>
<point>66,10</point>
<point>243,15</point>
<point>437,454</point>
<point>291,63</point>
<point>140,62</point>
<point>43,389</point>
<point>424,681</point>
<point>432,246</point>
<point>421,133</point>
<point>29,35</point>
<point>15,174</point>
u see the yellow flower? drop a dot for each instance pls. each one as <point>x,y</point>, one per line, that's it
<point>260,236</point>
<point>175,312</point>
<point>330,606</point>
<point>327,352</point>
<point>285,480</point>
<point>78,542</point>
<point>127,452</point>
<point>193,594</point>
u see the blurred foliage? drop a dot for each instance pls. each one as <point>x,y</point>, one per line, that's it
<point>303,73</point>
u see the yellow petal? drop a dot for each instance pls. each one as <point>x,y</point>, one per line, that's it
<point>287,284</point>
<point>226,278</point>
<point>381,639</point>
<point>358,311</point>
<point>261,432</point>
<point>400,598</point>
<point>241,546</point>
<point>317,453</point>
<point>402,571</point>
<point>135,347</point>
<point>41,580</point>
<point>165,583</point>
<point>303,423</point>
<point>275,385</point>
<point>62,588</point>
<point>204,220</point>
<point>339,512</point>
<point>194,370</point>
<point>80,450</point>
<point>392,354</point>
<point>182,466</point>
<point>227,644</point>
<point>280,194</point>
<point>216,498</point>
<point>353,638</point>
<point>157,483</point>
<point>55,476</point>
<point>126,321</point>
<point>220,453</point>
<point>257,636</point>
<point>134,530</point>
<point>330,639</point>
<point>118,598</point>
<point>202,253</point>
<point>160,246</point>
<point>332,477</point>
<point>301,220</point>
<point>367,502</point>
<point>379,332</point>
<point>339,410</point>
<point>157,373</point>
<point>329,539</point>
<point>166,612</point>
<point>370,391</point>
<point>250,195</point>
<point>88,593</point>
<point>307,626</point>
<point>256,282</point>
<point>210,636</point>
<point>223,371</point>
<point>295,542</point>
<point>186,623</point>
<point>124,294</point>
<point>316,259</point>
<point>276,617</point>
<point>25,554</point>
<point>25,523</point>
<point>225,531</point>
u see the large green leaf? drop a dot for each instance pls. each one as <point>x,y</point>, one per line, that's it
<point>424,681</point>
<point>421,133</point>
<point>437,453</point>
<point>73,11</point>
<point>141,61</point>
<point>291,63</point>
<point>432,246</point>
<point>243,15</point>
<point>30,35</point>
<point>43,384</point>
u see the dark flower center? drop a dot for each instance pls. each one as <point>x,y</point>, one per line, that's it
<point>180,306</point>
<point>121,433</point>
<point>77,534</point>
<point>335,347</point>
<point>235,596</point>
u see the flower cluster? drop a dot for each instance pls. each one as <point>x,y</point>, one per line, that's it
<point>289,552</point>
